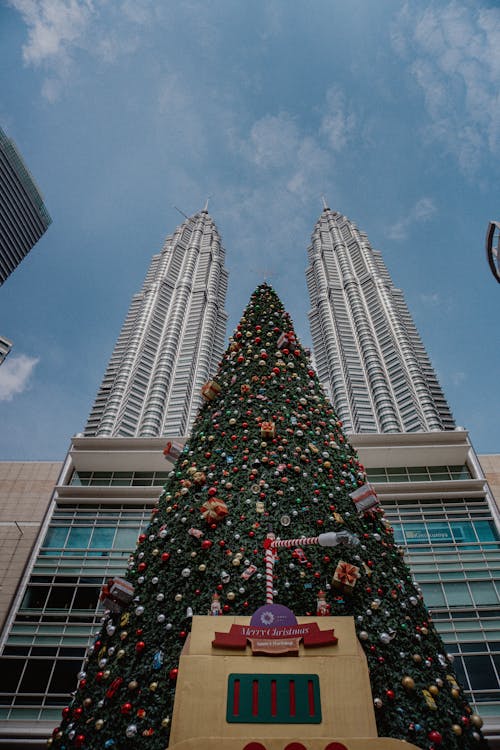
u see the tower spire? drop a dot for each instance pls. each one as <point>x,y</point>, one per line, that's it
<point>326,207</point>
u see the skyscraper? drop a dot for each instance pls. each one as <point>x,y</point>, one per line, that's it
<point>23,216</point>
<point>169,346</point>
<point>367,349</point>
<point>171,341</point>
<point>371,360</point>
<point>5,347</point>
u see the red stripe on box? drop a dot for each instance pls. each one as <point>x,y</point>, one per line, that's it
<point>255,698</point>
<point>291,686</point>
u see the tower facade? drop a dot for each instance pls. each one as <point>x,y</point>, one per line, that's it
<point>171,341</point>
<point>23,216</point>
<point>371,360</point>
<point>367,350</point>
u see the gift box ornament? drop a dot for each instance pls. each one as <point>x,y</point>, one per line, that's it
<point>286,339</point>
<point>345,576</point>
<point>245,388</point>
<point>210,390</point>
<point>116,593</point>
<point>268,429</point>
<point>214,510</point>
<point>364,498</point>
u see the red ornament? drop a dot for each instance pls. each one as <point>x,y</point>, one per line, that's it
<point>206,544</point>
<point>140,646</point>
<point>77,712</point>
<point>66,712</point>
<point>125,708</point>
<point>142,567</point>
<point>435,737</point>
<point>173,674</point>
<point>80,740</point>
<point>390,694</point>
<point>165,556</point>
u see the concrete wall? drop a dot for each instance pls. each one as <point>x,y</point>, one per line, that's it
<point>491,467</point>
<point>25,491</point>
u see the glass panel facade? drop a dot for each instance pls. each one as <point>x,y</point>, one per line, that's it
<point>59,612</point>
<point>118,478</point>
<point>418,473</point>
<point>453,549</point>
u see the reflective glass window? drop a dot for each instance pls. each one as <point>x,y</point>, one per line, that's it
<point>433,595</point>
<point>484,592</point>
<point>481,673</point>
<point>457,594</point>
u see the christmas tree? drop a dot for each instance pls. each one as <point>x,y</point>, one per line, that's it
<point>267,458</point>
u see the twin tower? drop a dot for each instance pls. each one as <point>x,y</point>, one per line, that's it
<point>367,351</point>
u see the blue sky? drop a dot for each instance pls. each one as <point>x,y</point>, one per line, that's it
<point>124,109</point>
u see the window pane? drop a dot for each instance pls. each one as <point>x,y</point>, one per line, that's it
<point>60,597</point>
<point>36,675</point>
<point>86,598</point>
<point>481,673</point>
<point>103,537</point>
<point>35,597</point>
<point>126,539</point>
<point>463,531</point>
<point>11,672</point>
<point>457,594</point>
<point>484,592</point>
<point>415,533</point>
<point>79,537</point>
<point>398,533</point>
<point>433,595</point>
<point>55,537</point>
<point>64,677</point>
<point>486,531</point>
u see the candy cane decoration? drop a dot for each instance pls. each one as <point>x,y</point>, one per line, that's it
<point>271,544</point>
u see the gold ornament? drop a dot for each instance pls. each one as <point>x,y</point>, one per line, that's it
<point>120,654</point>
<point>456,729</point>
<point>433,690</point>
<point>123,635</point>
<point>153,686</point>
<point>165,722</point>
<point>99,724</point>
<point>178,597</point>
<point>455,693</point>
<point>231,595</point>
<point>87,702</point>
<point>476,721</point>
<point>202,568</point>
<point>133,685</point>
<point>417,658</point>
<point>408,683</point>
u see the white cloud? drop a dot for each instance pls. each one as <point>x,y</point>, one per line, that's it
<point>53,26</point>
<point>338,121</point>
<point>15,374</point>
<point>423,210</point>
<point>453,52</point>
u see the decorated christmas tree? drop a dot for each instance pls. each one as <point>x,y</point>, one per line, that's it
<point>267,473</point>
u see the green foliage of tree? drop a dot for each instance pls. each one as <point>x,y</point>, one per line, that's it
<point>297,483</point>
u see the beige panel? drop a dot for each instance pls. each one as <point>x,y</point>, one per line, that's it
<point>203,677</point>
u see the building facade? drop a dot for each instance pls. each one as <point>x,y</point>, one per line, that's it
<point>5,347</point>
<point>367,350</point>
<point>171,341</point>
<point>169,346</point>
<point>372,362</point>
<point>23,216</point>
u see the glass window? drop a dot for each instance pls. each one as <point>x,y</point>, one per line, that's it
<point>103,537</point>
<point>398,533</point>
<point>484,592</point>
<point>86,598</point>
<point>36,675</point>
<point>486,531</point>
<point>481,673</point>
<point>415,533</point>
<point>433,595</point>
<point>64,678</point>
<point>457,594</point>
<point>79,537</point>
<point>60,597</point>
<point>126,538</point>
<point>55,537</point>
<point>11,672</point>
<point>35,597</point>
<point>463,531</point>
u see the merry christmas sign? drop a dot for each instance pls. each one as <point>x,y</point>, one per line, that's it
<point>274,631</point>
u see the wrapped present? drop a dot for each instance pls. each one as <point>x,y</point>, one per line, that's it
<point>214,510</point>
<point>116,593</point>
<point>345,576</point>
<point>122,590</point>
<point>268,429</point>
<point>245,388</point>
<point>364,498</point>
<point>210,390</point>
<point>172,449</point>
<point>197,533</point>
